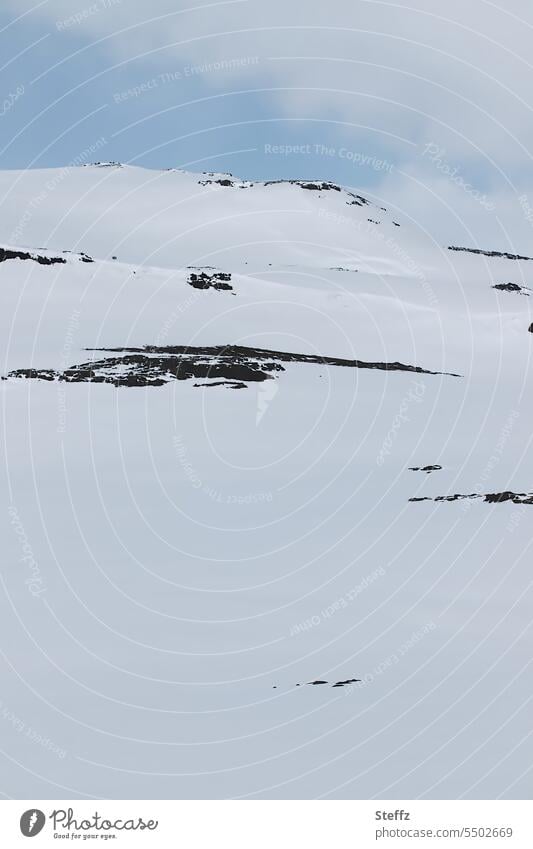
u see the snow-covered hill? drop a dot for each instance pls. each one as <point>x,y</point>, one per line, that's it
<point>239,420</point>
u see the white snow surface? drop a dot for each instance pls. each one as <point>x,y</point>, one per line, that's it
<point>198,552</point>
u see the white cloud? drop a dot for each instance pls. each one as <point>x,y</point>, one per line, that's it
<point>455,74</point>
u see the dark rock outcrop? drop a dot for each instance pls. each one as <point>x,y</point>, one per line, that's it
<point>155,366</point>
<point>501,254</point>
<point>6,254</point>
<point>510,287</point>
<point>320,682</point>
<point>218,280</point>
<point>310,185</point>
<point>489,498</point>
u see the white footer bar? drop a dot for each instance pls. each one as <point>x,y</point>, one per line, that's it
<point>267,824</point>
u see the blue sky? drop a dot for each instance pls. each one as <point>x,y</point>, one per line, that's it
<point>427,103</point>
<point>214,110</point>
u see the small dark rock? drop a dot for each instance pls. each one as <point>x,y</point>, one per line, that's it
<point>217,280</point>
<point>358,200</point>
<point>222,181</point>
<point>508,287</point>
<point>499,497</point>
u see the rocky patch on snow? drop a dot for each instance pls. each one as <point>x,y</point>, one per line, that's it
<point>11,254</point>
<point>501,254</point>
<point>489,498</point>
<point>218,280</point>
<point>320,682</point>
<point>83,257</point>
<point>359,200</point>
<point>225,180</point>
<point>7,254</point>
<point>156,366</point>
<point>342,268</point>
<point>109,164</point>
<point>311,185</point>
<point>511,287</point>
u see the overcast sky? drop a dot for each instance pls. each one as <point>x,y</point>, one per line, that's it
<point>426,105</point>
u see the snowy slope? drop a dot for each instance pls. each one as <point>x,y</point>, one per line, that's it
<point>179,557</point>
